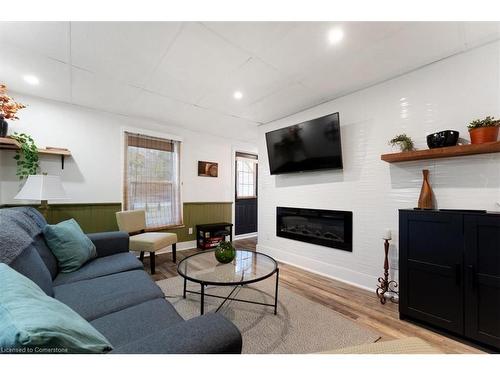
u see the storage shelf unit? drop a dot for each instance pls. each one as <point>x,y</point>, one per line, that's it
<point>443,152</point>
<point>449,272</point>
<point>12,144</point>
<point>209,236</point>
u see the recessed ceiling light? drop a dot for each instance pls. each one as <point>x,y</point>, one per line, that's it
<point>31,79</point>
<point>237,95</point>
<point>335,35</point>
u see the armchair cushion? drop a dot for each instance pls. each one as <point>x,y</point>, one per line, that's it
<point>131,221</point>
<point>152,241</point>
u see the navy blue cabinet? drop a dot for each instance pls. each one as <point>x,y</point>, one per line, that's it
<point>449,272</point>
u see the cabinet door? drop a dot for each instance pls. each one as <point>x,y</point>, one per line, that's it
<point>431,268</point>
<point>482,282</point>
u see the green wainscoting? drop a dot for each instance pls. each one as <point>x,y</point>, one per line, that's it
<point>100,217</point>
<point>202,213</point>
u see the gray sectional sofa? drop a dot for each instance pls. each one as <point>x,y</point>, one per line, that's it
<point>117,296</point>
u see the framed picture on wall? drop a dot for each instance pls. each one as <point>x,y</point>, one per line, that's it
<point>208,169</point>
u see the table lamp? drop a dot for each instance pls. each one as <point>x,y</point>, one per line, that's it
<point>42,187</point>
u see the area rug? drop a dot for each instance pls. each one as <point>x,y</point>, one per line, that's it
<point>301,325</point>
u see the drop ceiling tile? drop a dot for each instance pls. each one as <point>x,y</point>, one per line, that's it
<point>174,113</point>
<point>50,39</point>
<point>91,90</point>
<point>253,37</point>
<point>54,76</point>
<point>477,33</point>
<point>160,108</point>
<point>415,45</point>
<point>127,51</point>
<point>197,63</point>
<point>254,79</point>
<point>289,100</point>
<point>307,44</point>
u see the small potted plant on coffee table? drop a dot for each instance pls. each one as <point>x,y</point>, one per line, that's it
<point>484,131</point>
<point>225,252</point>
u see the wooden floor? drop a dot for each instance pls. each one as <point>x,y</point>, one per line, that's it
<point>354,303</point>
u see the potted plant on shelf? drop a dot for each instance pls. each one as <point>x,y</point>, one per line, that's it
<point>404,142</point>
<point>484,131</point>
<point>8,110</point>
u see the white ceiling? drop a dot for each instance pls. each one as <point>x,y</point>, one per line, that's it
<point>184,74</point>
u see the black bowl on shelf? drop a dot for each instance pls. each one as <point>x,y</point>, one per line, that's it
<point>443,138</point>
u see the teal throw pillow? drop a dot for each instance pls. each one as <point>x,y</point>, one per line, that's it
<point>32,322</point>
<point>69,244</point>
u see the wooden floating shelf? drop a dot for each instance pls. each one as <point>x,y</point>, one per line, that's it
<point>12,144</point>
<point>443,152</point>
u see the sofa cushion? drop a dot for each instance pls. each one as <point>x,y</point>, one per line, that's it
<point>31,319</point>
<point>16,234</point>
<point>107,294</point>
<point>39,222</point>
<point>205,334</point>
<point>48,258</point>
<point>34,214</point>
<point>29,264</point>
<point>69,244</point>
<point>98,267</point>
<point>135,322</point>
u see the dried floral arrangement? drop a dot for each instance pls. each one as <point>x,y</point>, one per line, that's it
<point>8,107</point>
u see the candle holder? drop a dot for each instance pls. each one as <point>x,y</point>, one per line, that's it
<point>385,285</point>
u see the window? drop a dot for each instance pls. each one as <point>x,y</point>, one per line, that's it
<point>246,176</point>
<point>152,179</point>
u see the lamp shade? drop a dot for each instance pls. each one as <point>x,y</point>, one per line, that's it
<point>42,187</point>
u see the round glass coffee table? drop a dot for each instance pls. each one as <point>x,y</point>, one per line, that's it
<point>247,267</point>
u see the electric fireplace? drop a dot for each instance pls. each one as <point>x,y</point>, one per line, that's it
<point>321,227</point>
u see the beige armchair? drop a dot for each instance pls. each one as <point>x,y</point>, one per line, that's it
<point>134,223</point>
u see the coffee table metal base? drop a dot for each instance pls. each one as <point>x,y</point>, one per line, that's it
<point>229,298</point>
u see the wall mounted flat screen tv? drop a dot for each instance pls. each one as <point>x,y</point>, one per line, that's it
<point>308,146</point>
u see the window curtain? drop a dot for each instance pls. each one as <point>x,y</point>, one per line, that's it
<point>152,179</point>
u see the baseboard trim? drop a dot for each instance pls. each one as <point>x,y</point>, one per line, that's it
<point>186,245</point>
<point>245,236</point>
<point>294,260</point>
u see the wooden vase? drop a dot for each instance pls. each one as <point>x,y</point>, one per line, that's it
<point>426,200</point>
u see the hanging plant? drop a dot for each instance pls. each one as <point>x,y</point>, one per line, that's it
<point>26,156</point>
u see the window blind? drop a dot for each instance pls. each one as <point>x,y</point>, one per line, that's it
<point>152,179</point>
